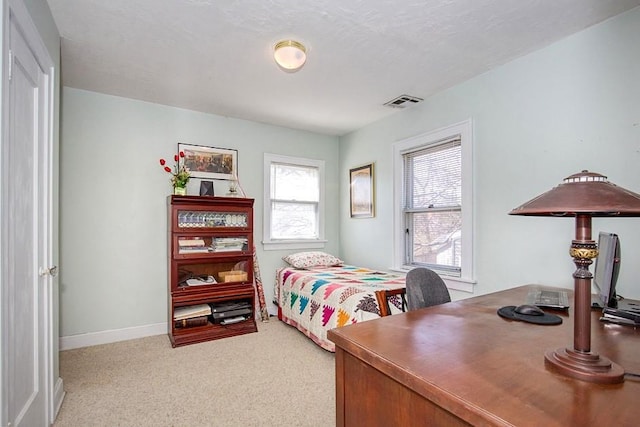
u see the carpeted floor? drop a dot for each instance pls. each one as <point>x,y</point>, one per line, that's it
<point>275,377</point>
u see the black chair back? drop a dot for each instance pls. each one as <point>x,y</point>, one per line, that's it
<point>425,288</point>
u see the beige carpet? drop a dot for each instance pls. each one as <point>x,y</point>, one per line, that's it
<point>276,377</point>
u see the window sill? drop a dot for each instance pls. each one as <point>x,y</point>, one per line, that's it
<point>455,283</point>
<point>293,244</point>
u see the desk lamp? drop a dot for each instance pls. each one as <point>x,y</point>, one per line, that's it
<point>583,196</point>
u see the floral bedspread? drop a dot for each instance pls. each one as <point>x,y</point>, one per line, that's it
<point>318,299</point>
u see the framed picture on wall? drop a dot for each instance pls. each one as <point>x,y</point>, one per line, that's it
<point>210,162</point>
<point>361,191</point>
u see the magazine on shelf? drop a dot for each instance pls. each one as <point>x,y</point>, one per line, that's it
<point>228,244</point>
<point>189,311</point>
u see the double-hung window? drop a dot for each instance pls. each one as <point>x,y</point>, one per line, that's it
<point>433,194</point>
<point>294,202</point>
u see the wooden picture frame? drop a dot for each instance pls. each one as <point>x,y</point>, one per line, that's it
<point>362,202</point>
<point>210,162</point>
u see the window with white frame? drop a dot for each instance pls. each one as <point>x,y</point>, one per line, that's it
<point>433,197</point>
<point>293,202</point>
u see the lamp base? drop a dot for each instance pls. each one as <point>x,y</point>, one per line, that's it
<point>589,366</point>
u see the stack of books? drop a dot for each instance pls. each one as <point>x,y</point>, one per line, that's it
<point>191,315</point>
<point>192,245</point>
<point>624,317</point>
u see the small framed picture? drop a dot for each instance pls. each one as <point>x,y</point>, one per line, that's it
<point>210,162</point>
<point>206,188</point>
<point>362,191</point>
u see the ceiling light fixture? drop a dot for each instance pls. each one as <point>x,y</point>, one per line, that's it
<point>290,55</point>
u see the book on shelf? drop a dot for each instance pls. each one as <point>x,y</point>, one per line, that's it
<point>189,311</point>
<point>193,250</point>
<point>191,322</point>
<point>195,241</point>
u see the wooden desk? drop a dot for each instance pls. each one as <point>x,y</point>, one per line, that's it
<point>461,364</point>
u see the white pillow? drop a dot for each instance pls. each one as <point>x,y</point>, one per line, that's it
<point>312,259</point>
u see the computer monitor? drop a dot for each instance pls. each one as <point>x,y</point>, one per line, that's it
<point>606,270</point>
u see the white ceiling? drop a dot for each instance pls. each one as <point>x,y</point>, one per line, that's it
<point>215,56</point>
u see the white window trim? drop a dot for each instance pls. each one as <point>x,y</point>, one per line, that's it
<point>270,244</point>
<point>465,130</point>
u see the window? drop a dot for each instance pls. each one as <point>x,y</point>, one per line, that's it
<point>433,206</point>
<point>293,203</point>
<point>433,198</point>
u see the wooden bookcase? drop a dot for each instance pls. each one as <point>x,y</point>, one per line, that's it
<point>209,237</point>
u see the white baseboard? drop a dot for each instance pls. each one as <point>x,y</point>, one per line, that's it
<point>58,397</point>
<point>114,335</point>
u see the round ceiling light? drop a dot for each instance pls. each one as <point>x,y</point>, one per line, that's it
<point>290,55</point>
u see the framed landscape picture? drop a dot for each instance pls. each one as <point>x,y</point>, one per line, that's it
<point>210,162</point>
<point>361,191</point>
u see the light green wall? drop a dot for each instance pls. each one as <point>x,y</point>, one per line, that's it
<point>113,201</point>
<point>571,106</point>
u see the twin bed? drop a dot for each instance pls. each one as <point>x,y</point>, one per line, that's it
<point>317,298</point>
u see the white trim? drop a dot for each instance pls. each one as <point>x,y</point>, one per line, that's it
<point>275,245</point>
<point>455,283</point>
<point>58,396</point>
<point>465,130</point>
<point>113,335</point>
<point>272,244</point>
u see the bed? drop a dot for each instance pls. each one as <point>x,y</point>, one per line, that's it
<point>319,298</point>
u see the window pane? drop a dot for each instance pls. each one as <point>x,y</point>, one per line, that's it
<point>434,176</point>
<point>436,238</point>
<point>294,220</point>
<point>290,182</point>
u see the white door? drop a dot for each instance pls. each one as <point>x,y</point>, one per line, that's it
<point>26,236</point>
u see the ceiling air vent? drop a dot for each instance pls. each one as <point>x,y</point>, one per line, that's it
<point>403,101</point>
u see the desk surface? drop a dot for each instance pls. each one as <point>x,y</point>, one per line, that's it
<point>490,371</point>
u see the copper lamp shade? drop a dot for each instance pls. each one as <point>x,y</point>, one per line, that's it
<point>583,195</point>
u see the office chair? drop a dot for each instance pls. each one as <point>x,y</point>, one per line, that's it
<point>384,297</point>
<point>425,288</point>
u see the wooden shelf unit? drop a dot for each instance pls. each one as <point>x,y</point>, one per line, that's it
<point>208,236</point>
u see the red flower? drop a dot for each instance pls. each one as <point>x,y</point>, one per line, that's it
<point>180,173</point>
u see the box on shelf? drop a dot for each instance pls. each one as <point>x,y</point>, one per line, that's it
<point>233,276</point>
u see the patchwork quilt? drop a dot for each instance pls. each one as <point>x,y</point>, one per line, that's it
<point>317,299</point>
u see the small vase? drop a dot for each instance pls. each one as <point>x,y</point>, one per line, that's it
<point>180,191</point>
